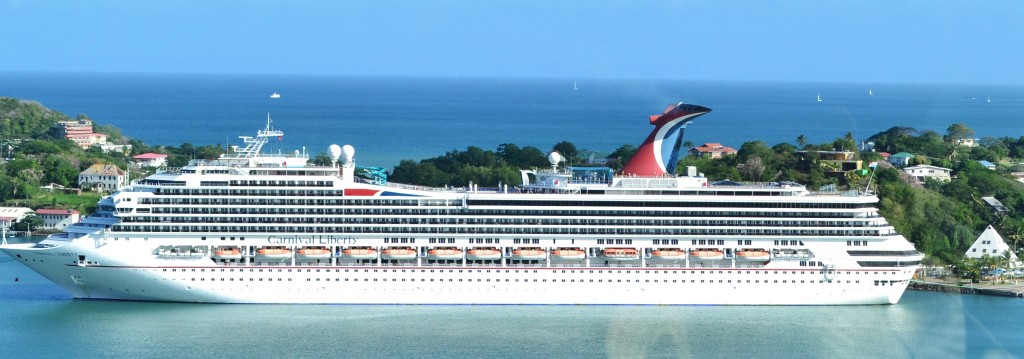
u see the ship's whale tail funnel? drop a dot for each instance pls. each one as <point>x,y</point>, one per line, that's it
<point>659,153</point>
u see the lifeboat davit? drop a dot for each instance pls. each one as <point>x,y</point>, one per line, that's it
<point>706,255</point>
<point>528,254</point>
<point>274,252</point>
<point>752,255</point>
<point>399,253</point>
<point>484,254</point>
<point>315,252</point>
<point>568,253</point>
<point>445,253</point>
<point>227,253</point>
<point>668,254</point>
<point>360,253</point>
<point>621,254</point>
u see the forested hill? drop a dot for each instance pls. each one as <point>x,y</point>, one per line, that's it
<point>26,119</point>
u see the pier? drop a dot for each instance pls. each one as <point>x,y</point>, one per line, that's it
<point>1010,288</point>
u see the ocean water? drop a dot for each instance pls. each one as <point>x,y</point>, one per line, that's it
<point>390,119</point>
<point>41,320</point>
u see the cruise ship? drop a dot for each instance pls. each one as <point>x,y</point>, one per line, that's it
<point>250,227</point>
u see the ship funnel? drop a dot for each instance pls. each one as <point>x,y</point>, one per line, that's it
<point>659,153</point>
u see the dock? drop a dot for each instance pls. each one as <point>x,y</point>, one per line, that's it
<point>1005,289</point>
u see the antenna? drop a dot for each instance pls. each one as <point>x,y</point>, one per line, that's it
<point>872,166</point>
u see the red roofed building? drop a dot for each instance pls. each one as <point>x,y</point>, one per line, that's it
<point>150,160</point>
<point>713,150</point>
<point>57,218</point>
<point>79,132</point>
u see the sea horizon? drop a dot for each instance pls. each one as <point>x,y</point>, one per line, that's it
<point>388,119</point>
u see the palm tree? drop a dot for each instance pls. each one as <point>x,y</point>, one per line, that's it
<point>1007,257</point>
<point>802,141</point>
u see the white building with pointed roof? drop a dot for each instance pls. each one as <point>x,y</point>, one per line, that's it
<point>990,243</point>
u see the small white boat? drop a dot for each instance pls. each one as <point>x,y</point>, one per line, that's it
<point>399,253</point>
<point>484,254</point>
<point>528,254</point>
<point>227,253</point>
<point>668,254</point>
<point>752,255</point>
<point>314,252</point>
<point>819,97</point>
<point>275,95</point>
<point>706,255</point>
<point>621,254</point>
<point>444,254</point>
<point>360,253</point>
<point>568,253</point>
<point>274,252</point>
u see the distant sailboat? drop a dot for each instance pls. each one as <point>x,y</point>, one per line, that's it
<point>275,95</point>
<point>870,93</point>
<point>574,86</point>
<point>988,99</point>
<point>819,97</point>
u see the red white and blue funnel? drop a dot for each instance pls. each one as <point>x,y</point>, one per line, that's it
<point>659,153</point>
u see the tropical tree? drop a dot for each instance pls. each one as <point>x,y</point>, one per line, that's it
<point>567,150</point>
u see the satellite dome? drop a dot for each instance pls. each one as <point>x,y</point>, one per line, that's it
<point>348,151</point>
<point>554,158</point>
<point>335,151</point>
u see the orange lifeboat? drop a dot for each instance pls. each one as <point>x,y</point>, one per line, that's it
<point>399,253</point>
<point>621,254</point>
<point>484,254</point>
<point>315,252</point>
<point>752,255</point>
<point>276,252</point>
<point>360,253</point>
<point>568,253</point>
<point>668,254</point>
<point>445,253</point>
<point>706,255</point>
<point>528,254</point>
<point>227,253</point>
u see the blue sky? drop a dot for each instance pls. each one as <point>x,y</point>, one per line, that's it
<point>946,41</point>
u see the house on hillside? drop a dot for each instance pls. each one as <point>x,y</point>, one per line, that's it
<point>901,159</point>
<point>9,215</point>
<point>921,172</point>
<point>103,178</point>
<point>990,243</point>
<point>58,219</point>
<point>967,142</point>
<point>150,159</point>
<point>987,164</point>
<point>998,207</point>
<point>839,161</point>
<point>713,150</point>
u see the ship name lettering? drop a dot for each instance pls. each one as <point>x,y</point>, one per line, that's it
<point>311,240</point>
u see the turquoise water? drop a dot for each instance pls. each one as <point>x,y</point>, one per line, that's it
<point>41,320</point>
<point>389,119</point>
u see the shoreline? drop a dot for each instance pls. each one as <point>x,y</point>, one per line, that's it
<point>1003,290</point>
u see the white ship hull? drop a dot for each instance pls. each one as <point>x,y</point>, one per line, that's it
<point>197,279</point>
